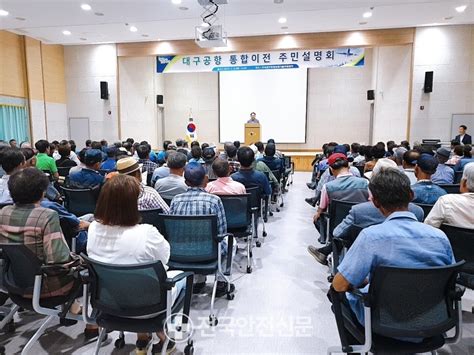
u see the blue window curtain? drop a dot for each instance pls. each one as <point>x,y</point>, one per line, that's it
<point>14,123</point>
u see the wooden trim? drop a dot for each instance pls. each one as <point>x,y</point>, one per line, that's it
<point>410,92</point>
<point>44,93</point>
<point>367,38</point>
<point>27,89</point>
<point>117,85</point>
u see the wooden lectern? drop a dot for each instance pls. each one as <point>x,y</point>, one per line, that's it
<point>252,133</point>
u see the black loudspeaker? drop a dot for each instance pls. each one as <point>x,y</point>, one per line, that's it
<point>104,90</point>
<point>370,95</point>
<point>159,99</point>
<point>428,86</point>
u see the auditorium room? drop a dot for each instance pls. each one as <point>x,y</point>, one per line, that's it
<point>236,177</point>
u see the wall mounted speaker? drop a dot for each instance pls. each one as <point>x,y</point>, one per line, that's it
<point>428,86</point>
<point>104,90</point>
<point>370,95</point>
<point>159,99</point>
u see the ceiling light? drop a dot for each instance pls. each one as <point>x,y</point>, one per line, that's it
<point>363,23</point>
<point>83,39</point>
<point>66,33</point>
<point>284,27</point>
<point>176,2</point>
<point>282,20</point>
<point>20,18</point>
<point>461,8</point>
<point>98,14</point>
<point>367,14</point>
<point>3,12</point>
<point>133,29</point>
<point>448,17</point>
<point>278,1</point>
<point>145,35</point>
<point>205,24</point>
<point>86,7</point>
<point>183,8</point>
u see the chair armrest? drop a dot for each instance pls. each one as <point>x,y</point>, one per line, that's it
<point>170,282</point>
<point>364,297</point>
<point>54,270</point>
<point>220,238</point>
<point>336,300</point>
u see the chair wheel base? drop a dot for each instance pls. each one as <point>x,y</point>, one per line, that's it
<point>230,296</point>
<point>189,349</point>
<point>119,343</point>
<point>330,278</point>
<point>249,269</point>
<point>270,214</point>
<point>264,234</point>
<point>282,204</point>
<point>258,244</point>
<point>213,321</point>
<point>265,219</point>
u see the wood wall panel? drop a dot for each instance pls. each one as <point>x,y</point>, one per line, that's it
<point>53,73</point>
<point>34,69</point>
<point>368,38</point>
<point>12,65</point>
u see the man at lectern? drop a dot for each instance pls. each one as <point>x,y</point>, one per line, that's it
<point>253,118</point>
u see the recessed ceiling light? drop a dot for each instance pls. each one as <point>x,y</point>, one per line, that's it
<point>205,24</point>
<point>66,33</point>
<point>461,8</point>
<point>183,8</point>
<point>278,1</point>
<point>367,14</point>
<point>284,27</point>
<point>448,17</point>
<point>3,12</point>
<point>83,39</point>
<point>20,18</point>
<point>86,7</point>
<point>98,14</point>
<point>176,2</point>
<point>363,23</point>
<point>133,29</point>
<point>282,20</point>
<point>145,35</point>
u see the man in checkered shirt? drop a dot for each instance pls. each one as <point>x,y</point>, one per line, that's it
<point>195,202</point>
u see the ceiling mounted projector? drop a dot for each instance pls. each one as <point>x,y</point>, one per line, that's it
<point>210,37</point>
<point>208,2</point>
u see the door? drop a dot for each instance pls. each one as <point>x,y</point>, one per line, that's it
<point>79,130</point>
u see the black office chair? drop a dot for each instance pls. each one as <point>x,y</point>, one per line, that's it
<point>426,209</point>
<point>289,171</point>
<point>80,201</point>
<point>277,195</point>
<point>239,221</point>
<point>152,217</point>
<point>341,245</point>
<point>451,188</point>
<point>196,247</point>
<point>7,308</point>
<point>361,169</point>
<point>401,303</point>
<point>257,204</point>
<point>458,177</point>
<point>64,170</point>
<point>462,242</point>
<point>23,274</point>
<point>113,304</point>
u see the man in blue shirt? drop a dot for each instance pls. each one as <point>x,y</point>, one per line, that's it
<point>110,164</point>
<point>425,191</point>
<point>444,174</point>
<point>88,177</point>
<point>247,175</point>
<point>400,241</point>
<point>272,162</point>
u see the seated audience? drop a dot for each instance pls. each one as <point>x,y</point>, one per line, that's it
<point>409,162</point>
<point>270,160</point>
<point>355,155</point>
<point>36,227</point>
<point>81,156</point>
<point>88,177</point>
<point>143,152</point>
<point>466,159</point>
<point>458,153</point>
<point>400,241</point>
<point>110,164</point>
<point>30,157</point>
<point>377,152</point>
<point>64,151</point>
<point>12,161</point>
<point>398,154</point>
<point>196,155</point>
<point>161,172</point>
<point>13,143</point>
<point>424,189</point>
<point>43,161</point>
<point>230,153</point>
<point>456,209</point>
<point>116,237</point>
<point>149,198</point>
<point>173,184</point>
<point>278,154</point>
<point>224,185</point>
<point>209,156</point>
<point>161,153</point>
<point>444,174</point>
<point>196,201</point>
<point>247,175</point>
<point>260,150</point>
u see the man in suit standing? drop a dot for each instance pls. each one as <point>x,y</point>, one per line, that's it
<point>463,137</point>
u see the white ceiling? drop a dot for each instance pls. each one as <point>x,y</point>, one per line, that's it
<point>162,20</point>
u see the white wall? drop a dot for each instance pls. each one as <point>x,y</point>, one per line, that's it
<point>138,109</point>
<point>85,68</point>
<point>449,52</point>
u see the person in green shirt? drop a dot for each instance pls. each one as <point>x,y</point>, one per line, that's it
<point>43,161</point>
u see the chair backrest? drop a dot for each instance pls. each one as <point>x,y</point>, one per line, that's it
<point>192,238</point>
<point>287,161</point>
<point>255,199</point>
<point>338,210</point>
<point>457,176</point>
<point>64,170</point>
<point>462,242</point>
<point>277,174</point>
<point>152,217</point>
<point>361,169</point>
<point>21,266</point>
<point>451,188</point>
<point>237,210</point>
<point>415,303</point>
<point>127,290</point>
<point>426,208</point>
<point>80,201</point>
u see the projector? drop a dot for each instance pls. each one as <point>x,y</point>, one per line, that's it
<point>210,36</point>
<point>207,2</point>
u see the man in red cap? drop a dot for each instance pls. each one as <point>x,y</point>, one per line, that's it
<point>345,187</point>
